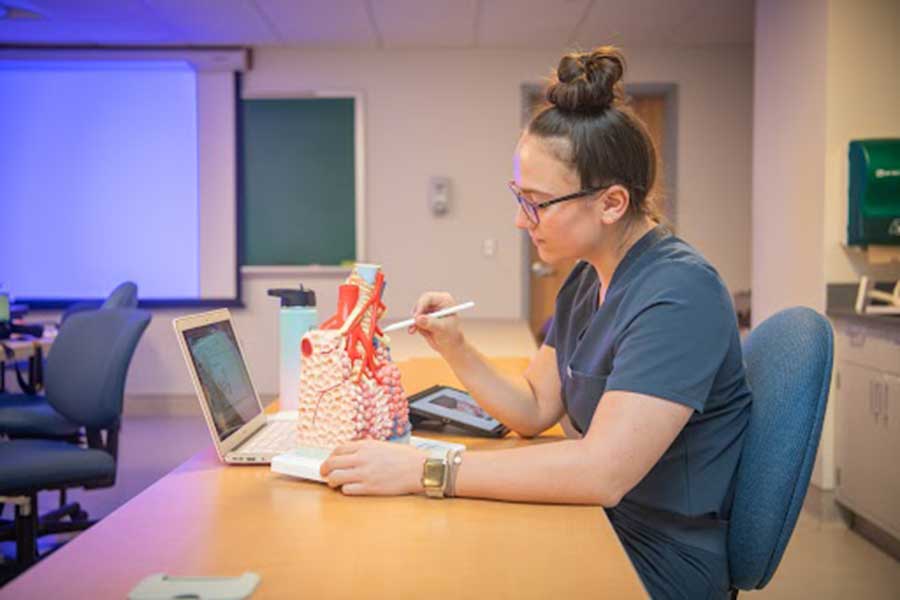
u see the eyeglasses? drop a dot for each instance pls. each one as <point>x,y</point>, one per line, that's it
<point>531,209</point>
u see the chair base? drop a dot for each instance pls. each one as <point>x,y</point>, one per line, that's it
<point>26,526</point>
<point>23,528</point>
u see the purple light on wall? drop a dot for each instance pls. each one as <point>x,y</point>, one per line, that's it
<point>98,178</point>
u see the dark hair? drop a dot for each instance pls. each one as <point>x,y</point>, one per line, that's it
<point>607,142</point>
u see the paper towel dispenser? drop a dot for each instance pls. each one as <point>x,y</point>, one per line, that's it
<point>874,193</point>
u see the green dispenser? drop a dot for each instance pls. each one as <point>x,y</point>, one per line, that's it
<point>874,193</point>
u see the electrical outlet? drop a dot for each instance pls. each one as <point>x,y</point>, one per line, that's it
<point>489,247</point>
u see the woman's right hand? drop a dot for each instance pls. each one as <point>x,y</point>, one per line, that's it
<point>444,334</point>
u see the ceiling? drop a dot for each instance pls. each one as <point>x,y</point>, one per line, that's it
<point>377,23</point>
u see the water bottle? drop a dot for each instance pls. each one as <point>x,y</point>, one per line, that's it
<point>298,315</point>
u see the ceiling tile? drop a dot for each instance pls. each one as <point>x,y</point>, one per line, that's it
<point>529,23</point>
<point>436,23</point>
<point>320,23</point>
<point>59,10</point>
<point>717,22</point>
<point>87,22</point>
<point>633,22</point>
<point>388,23</point>
<point>85,32</point>
<point>215,21</point>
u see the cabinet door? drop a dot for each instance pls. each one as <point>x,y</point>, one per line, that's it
<point>891,457</point>
<point>854,444</point>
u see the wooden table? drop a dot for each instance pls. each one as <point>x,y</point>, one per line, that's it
<point>22,348</point>
<point>26,346</point>
<point>308,541</point>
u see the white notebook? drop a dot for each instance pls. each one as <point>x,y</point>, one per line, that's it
<point>304,462</point>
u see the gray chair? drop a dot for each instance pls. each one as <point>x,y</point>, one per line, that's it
<point>86,375</point>
<point>125,295</point>
<point>28,415</point>
<point>789,358</point>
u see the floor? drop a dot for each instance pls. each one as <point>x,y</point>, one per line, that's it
<point>824,559</point>
<point>149,447</point>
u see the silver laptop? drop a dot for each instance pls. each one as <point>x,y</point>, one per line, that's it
<point>241,431</point>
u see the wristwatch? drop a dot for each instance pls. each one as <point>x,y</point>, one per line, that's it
<point>434,477</point>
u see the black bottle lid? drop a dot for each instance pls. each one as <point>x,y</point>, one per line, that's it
<point>292,297</point>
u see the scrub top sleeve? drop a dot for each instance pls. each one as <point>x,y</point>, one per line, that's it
<point>550,339</point>
<point>677,340</point>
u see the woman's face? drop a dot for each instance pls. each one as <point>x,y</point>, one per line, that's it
<point>568,230</point>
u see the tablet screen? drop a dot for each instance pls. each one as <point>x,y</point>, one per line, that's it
<point>457,406</point>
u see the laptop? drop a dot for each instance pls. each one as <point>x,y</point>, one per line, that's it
<point>241,431</point>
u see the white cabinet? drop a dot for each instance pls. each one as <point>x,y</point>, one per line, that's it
<point>891,418</point>
<point>867,453</point>
<point>867,446</point>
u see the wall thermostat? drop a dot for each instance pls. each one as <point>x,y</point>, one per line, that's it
<point>439,195</point>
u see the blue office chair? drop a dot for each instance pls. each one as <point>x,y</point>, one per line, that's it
<point>85,384</point>
<point>788,358</point>
<point>30,415</point>
<point>125,295</point>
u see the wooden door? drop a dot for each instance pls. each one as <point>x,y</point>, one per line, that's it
<point>652,111</point>
<point>547,279</point>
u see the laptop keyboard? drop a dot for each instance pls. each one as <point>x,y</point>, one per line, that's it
<point>276,436</point>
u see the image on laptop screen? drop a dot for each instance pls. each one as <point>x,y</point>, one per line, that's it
<point>223,376</point>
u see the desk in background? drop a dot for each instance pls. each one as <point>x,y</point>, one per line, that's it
<point>307,540</point>
<point>28,348</point>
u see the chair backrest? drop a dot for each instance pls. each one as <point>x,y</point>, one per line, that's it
<point>124,296</point>
<point>789,358</point>
<point>88,363</point>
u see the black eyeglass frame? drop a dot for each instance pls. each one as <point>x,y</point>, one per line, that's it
<point>531,210</point>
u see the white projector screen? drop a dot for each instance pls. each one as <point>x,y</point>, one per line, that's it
<point>118,170</point>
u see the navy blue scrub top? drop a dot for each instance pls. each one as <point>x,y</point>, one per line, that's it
<point>666,328</point>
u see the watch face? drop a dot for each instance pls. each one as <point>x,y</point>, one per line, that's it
<point>434,472</point>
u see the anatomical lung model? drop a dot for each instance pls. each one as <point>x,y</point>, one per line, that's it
<point>349,388</point>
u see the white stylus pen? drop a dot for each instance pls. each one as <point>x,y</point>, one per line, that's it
<point>450,310</point>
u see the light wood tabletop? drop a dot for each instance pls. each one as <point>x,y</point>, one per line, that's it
<point>306,540</point>
<point>25,347</point>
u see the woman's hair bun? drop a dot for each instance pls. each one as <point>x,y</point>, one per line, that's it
<point>588,81</point>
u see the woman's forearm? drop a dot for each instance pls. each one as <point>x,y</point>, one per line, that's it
<point>628,435</point>
<point>556,472</point>
<point>509,399</point>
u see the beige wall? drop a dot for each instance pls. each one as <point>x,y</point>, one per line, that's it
<point>456,114</point>
<point>863,101</point>
<point>824,73</point>
<point>788,156</point>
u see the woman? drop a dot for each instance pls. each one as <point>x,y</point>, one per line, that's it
<point>643,355</point>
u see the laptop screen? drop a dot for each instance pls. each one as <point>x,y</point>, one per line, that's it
<point>223,376</point>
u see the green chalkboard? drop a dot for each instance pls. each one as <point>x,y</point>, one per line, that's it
<point>298,177</point>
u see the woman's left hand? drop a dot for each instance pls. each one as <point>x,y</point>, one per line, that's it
<point>374,468</point>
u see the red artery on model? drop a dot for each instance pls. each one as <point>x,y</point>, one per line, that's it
<point>348,296</point>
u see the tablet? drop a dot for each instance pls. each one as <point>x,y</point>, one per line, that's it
<point>444,405</point>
